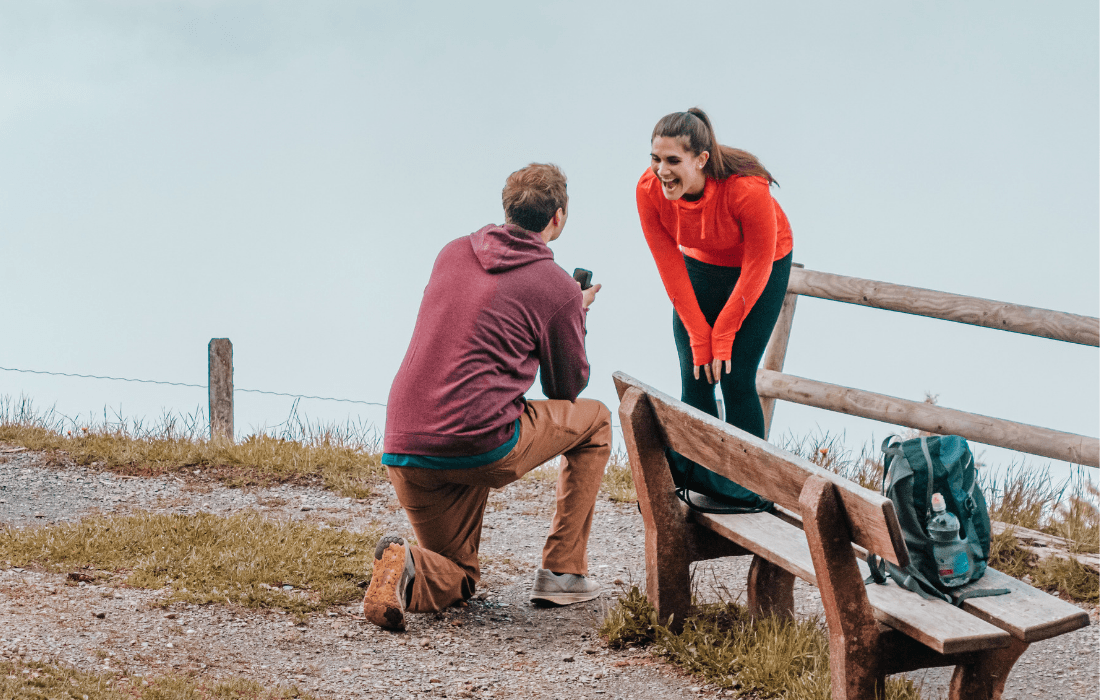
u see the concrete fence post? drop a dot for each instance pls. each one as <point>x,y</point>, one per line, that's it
<point>220,385</point>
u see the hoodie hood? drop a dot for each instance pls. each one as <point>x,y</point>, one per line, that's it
<point>500,248</point>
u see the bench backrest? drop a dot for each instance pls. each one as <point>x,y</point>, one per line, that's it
<point>768,470</point>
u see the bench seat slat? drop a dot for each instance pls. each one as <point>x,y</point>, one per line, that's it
<point>935,623</point>
<point>1028,614</point>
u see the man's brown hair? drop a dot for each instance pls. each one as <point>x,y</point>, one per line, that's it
<point>533,194</point>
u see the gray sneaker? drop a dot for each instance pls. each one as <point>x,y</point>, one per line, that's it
<point>562,589</point>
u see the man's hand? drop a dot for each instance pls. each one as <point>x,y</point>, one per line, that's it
<point>589,295</point>
<point>713,370</point>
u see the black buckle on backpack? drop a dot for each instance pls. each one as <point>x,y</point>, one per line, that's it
<point>877,565</point>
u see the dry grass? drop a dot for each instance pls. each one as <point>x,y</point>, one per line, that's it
<point>722,645</point>
<point>39,681</point>
<point>828,451</point>
<point>245,559</point>
<point>345,459</point>
<point>618,482</point>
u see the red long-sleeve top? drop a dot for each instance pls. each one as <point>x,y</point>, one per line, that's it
<point>736,223</point>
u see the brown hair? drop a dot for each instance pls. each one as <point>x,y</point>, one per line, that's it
<point>533,195</point>
<point>695,132</point>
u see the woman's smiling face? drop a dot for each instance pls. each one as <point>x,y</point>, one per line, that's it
<point>679,170</point>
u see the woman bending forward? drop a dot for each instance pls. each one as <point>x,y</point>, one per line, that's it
<point>723,249</point>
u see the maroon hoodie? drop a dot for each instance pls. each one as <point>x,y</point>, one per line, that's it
<point>497,309</point>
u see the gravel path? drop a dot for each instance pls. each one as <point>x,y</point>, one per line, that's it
<point>497,647</point>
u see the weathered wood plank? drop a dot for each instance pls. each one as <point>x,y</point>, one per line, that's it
<point>1030,615</point>
<point>1045,442</point>
<point>1043,545</point>
<point>220,388</point>
<point>1044,323</point>
<point>667,559</point>
<point>776,353</point>
<point>854,660</point>
<point>935,623</point>
<point>769,471</point>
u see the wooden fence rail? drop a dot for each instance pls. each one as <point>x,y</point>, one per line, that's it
<point>1029,320</point>
<point>933,419</point>
<point>1056,325</point>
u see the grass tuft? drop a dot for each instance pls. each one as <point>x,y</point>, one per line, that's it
<point>1065,576</point>
<point>724,646</point>
<point>37,681</point>
<point>618,482</point>
<point>244,559</point>
<point>345,459</point>
<point>827,450</point>
<point>631,622</point>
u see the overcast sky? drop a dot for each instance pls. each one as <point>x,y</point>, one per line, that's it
<point>283,174</point>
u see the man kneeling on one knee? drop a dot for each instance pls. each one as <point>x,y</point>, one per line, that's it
<point>497,309</point>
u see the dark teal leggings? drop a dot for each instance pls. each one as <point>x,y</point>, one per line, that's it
<point>713,285</point>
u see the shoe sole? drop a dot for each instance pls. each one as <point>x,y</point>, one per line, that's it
<point>560,599</point>
<point>381,605</point>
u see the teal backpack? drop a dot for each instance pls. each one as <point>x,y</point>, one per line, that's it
<point>912,471</point>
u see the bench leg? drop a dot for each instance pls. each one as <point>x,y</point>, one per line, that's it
<point>669,539</point>
<point>771,589</point>
<point>985,679</point>
<point>855,654</point>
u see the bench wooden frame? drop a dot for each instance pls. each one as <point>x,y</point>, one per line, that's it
<point>823,519</point>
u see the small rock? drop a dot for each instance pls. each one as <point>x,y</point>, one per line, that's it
<point>39,515</point>
<point>101,615</point>
<point>424,642</point>
<point>482,596</point>
<point>567,658</point>
<point>617,582</point>
<point>332,614</point>
<point>520,651</point>
<point>171,616</point>
<point>305,508</point>
<point>434,680</point>
<point>346,669</point>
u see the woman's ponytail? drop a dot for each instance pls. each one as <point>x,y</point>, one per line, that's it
<point>694,128</point>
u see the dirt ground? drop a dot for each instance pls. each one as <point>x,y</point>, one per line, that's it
<point>499,646</point>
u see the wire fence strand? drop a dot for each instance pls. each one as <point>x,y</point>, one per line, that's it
<point>192,386</point>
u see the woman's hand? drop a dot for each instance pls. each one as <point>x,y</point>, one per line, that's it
<point>713,370</point>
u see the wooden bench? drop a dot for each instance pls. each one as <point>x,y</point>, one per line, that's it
<point>824,522</point>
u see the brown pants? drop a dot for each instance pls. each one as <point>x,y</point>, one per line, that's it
<point>445,506</point>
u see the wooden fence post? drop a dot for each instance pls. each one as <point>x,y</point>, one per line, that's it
<point>220,385</point>
<point>776,352</point>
